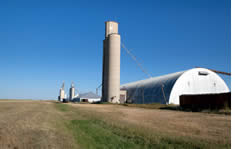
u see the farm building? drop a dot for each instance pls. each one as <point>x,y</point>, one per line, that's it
<point>167,89</point>
<point>89,97</point>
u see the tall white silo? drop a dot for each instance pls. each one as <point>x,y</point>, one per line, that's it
<point>62,93</point>
<point>71,92</point>
<point>111,63</point>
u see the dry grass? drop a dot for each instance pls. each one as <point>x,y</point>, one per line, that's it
<point>31,124</point>
<point>209,128</point>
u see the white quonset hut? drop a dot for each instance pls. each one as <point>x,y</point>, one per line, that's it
<point>167,89</point>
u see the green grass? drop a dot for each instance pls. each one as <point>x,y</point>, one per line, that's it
<point>91,132</point>
<point>62,107</point>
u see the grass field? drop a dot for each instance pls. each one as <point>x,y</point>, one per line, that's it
<point>48,124</point>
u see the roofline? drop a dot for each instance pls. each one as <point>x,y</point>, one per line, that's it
<point>153,78</point>
<point>112,21</point>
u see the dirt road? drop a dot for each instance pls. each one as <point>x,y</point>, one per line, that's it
<point>31,124</point>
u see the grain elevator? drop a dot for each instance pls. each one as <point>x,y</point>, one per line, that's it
<point>71,92</point>
<point>62,93</point>
<point>111,63</point>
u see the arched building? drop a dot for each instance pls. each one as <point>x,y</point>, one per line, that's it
<point>167,89</point>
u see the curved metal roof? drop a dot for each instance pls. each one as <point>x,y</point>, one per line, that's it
<point>153,89</point>
<point>88,95</point>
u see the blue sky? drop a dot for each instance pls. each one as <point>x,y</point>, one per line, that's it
<point>46,42</point>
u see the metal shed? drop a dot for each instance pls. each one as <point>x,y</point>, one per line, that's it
<point>167,89</point>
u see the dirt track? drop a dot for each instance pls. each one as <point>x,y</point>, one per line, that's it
<point>31,124</point>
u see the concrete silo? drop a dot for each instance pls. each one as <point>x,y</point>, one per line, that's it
<point>71,92</point>
<point>111,63</point>
<point>62,94</point>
